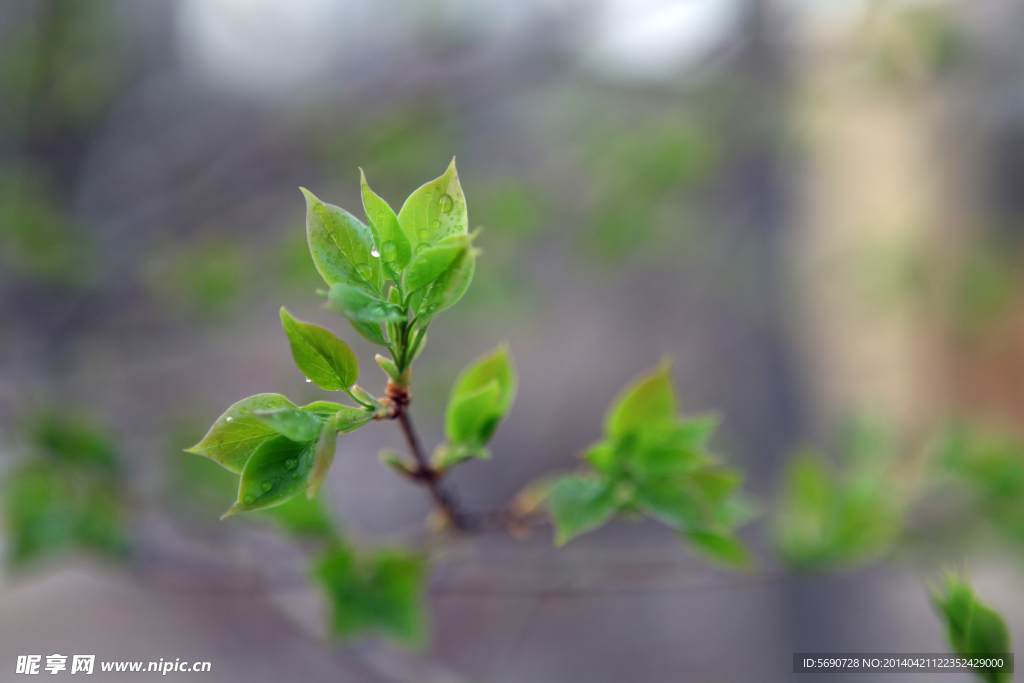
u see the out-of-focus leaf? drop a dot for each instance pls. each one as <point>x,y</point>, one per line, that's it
<point>580,504</point>
<point>474,416</point>
<point>322,357</point>
<point>239,432</point>
<point>648,402</point>
<point>721,548</point>
<point>496,366</point>
<point>973,628</point>
<point>302,516</point>
<point>379,593</point>
<point>434,211</point>
<point>276,472</point>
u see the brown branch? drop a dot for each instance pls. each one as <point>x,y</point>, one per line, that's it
<point>426,475</point>
<point>501,519</point>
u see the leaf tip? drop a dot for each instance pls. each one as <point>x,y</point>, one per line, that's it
<point>233,510</point>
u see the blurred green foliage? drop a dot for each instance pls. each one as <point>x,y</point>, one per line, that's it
<point>643,182</point>
<point>991,467</point>
<point>38,240</point>
<point>206,279</point>
<point>67,493</point>
<point>844,515</point>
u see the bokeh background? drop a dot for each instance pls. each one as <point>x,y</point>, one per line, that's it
<point>816,208</point>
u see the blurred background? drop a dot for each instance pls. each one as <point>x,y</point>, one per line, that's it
<point>815,207</point>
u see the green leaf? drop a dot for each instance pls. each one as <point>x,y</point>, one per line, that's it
<point>341,245</point>
<point>604,458</point>
<point>389,368</point>
<point>395,249</point>
<point>276,472</point>
<point>721,548</point>
<point>649,402</point>
<point>349,419</point>
<point>238,432</point>
<point>325,409</point>
<point>357,305</point>
<point>497,366</point>
<point>322,357</point>
<point>371,332</point>
<point>293,423</point>
<point>432,261</point>
<point>323,456</point>
<point>383,592</point>
<point>448,288</point>
<point>474,416</point>
<point>481,396</point>
<point>974,629</point>
<point>580,504</point>
<point>434,211</point>
<point>672,502</point>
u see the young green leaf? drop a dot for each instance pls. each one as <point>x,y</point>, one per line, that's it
<point>448,288</point>
<point>725,549</point>
<point>341,246</point>
<point>973,628</point>
<point>322,357</point>
<point>238,432</point>
<point>395,249</point>
<point>389,368</point>
<point>432,261</point>
<point>324,409</point>
<point>357,305</point>
<point>646,403</point>
<point>474,416</point>
<point>293,423</point>
<point>323,456</point>
<point>276,472</point>
<point>371,332</point>
<point>349,419</point>
<point>434,211</point>
<point>672,502</point>
<point>496,366</point>
<point>580,504</point>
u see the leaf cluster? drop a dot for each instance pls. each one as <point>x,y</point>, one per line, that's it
<point>654,463</point>
<point>840,516</point>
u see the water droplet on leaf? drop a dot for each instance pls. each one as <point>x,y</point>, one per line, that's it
<point>291,464</point>
<point>249,500</point>
<point>229,419</point>
<point>446,203</point>
<point>427,195</point>
<point>267,485</point>
<point>374,253</point>
<point>295,475</point>
<point>308,380</point>
<point>424,234</point>
<point>364,271</point>
<point>389,251</point>
<point>437,224</point>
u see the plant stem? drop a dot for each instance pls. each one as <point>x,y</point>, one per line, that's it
<point>428,476</point>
